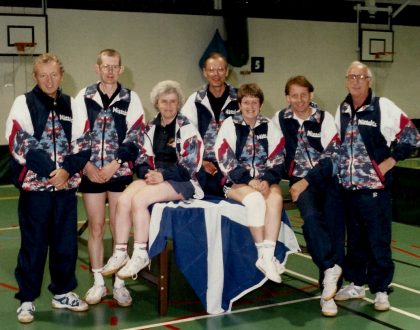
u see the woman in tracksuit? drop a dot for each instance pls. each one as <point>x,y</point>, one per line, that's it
<point>170,159</point>
<point>249,149</point>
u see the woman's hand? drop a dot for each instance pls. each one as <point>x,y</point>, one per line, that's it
<point>153,177</point>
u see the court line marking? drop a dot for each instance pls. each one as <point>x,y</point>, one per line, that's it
<point>195,318</point>
<point>400,286</point>
<point>395,309</point>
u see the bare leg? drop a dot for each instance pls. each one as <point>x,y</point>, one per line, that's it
<point>274,202</point>
<point>123,214</point>
<point>140,202</point>
<point>95,209</point>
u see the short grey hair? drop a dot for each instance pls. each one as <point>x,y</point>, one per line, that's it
<point>167,87</point>
<point>358,63</point>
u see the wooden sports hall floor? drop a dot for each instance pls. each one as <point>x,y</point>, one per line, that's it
<point>293,304</point>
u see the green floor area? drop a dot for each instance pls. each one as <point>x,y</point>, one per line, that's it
<point>293,304</point>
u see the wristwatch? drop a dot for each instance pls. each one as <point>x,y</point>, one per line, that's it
<point>119,160</point>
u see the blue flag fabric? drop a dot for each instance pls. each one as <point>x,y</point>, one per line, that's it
<point>217,44</point>
<point>213,248</point>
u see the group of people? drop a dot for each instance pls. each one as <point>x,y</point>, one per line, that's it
<point>217,143</point>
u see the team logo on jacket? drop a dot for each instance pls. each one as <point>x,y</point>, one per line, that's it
<point>364,122</point>
<point>230,111</point>
<point>314,134</point>
<point>120,111</point>
<point>261,136</point>
<point>65,118</point>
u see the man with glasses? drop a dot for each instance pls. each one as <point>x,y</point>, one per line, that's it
<point>375,134</point>
<point>116,120</point>
<point>207,109</point>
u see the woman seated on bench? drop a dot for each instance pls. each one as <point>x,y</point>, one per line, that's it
<point>249,149</point>
<point>171,157</point>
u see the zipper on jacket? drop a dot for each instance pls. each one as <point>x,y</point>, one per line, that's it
<point>306,149</point>
<point>253,151</point>
<point>103,142</point>
<point>53,136</point>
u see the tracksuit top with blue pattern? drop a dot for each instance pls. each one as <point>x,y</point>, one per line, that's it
<point>376,131</point>
<point>45,134</point>
<point>311,144</point>
<point>198,110</point>
<point>188,147</point>
<point>244,153</point>
<point>115,132</point>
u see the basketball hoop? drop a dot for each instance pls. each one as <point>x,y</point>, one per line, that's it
<point>21,46</point>
<point>380,55</point>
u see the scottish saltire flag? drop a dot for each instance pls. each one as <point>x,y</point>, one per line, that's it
<point>213,248</point>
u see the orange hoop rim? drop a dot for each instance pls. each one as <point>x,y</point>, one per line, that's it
<point>20,46</point>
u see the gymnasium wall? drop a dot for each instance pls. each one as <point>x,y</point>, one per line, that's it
<point>167,46</point>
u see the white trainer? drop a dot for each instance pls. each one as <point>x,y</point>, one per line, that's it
<point>114,264</point>
<point>25,312</point>
<point>95,294</point>
<point>328,307</point>
<point>350,291</point>
<point>331,276</point>
<point>133,266</point>
<point>122,296</point>
<point>269,269</point>
<point>381,302</point>
<point>279,266</point>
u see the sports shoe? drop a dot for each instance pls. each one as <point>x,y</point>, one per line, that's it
<point>381,302</point>
<point>350,291</point>
<point>114,264</point>
<point>133,266</point>
<point>279,267</point>
<point>71,301</point>
<point>328,307</point>
<point>331,276</point>
<point>95,294</point>
<point>25,313</point>
<point>269,269</point>
<point>122,296</point>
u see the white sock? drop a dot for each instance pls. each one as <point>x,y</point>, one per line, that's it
<point>259,247</point>
<point>268,249</point>
<point>120,249</point>
<point>118,283</point>
<point>98,279</point>
<point>141,250</point>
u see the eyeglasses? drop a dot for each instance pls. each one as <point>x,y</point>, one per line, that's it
<point>108,68</point>
<point>357,77</point>
<point>213,71</point>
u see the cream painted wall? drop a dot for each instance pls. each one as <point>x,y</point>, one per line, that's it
<point>164,46</point>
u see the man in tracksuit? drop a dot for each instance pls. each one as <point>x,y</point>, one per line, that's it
<point>207,109</point>
<point>49,147</point>
<point>375,134</point>
<point>311,143</point>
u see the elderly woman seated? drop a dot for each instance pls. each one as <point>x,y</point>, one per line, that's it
<point>167,166</point>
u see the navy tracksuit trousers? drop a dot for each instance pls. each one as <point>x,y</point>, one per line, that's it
<point>48,226</point>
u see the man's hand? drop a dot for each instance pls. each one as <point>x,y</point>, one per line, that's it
<point>108,170</point>
<point>209,167</point>
<point>297,188</point>
<point>386,165</point>
<point>93,173</point>
<point>58,178</point>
